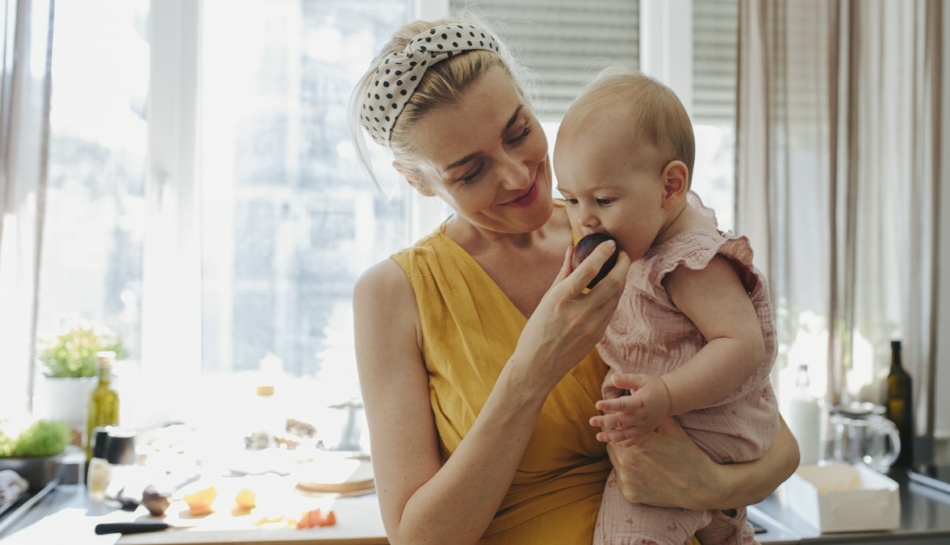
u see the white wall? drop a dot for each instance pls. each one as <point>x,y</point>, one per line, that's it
<point>942,421</point>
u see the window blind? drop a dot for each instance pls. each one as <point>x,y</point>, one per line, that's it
<point>715,50</point>
<point>561,43</point>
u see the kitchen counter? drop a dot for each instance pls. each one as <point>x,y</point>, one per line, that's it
<point>925,520</point>
<point>67,516</point>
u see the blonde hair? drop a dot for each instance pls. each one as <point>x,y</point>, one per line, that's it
<point>442,83</point>
<point>651,108</point>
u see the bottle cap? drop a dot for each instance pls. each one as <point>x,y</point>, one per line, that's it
<point>100,437</point>
<point>265,390</point>
<point>120,447</point>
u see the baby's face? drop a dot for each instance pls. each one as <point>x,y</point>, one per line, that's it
<point>611,184</point>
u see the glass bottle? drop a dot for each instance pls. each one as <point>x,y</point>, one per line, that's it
<point>804,417</point>
<point>103,407</point>
<point>99,472</point>
<point>900,409</point>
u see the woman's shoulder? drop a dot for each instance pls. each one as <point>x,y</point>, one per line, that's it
<point>384,279</point>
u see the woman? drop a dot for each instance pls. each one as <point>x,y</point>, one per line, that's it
<point>475,346</point>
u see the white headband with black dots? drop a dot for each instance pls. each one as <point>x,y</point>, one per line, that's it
<point>398,75</point>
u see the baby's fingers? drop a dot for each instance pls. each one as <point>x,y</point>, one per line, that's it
<point>627,403</point>
<point>613,421</point>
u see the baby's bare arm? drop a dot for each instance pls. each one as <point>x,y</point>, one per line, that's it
<point>717,302</point>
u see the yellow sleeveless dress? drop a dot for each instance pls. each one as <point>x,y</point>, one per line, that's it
<point>470,329</point>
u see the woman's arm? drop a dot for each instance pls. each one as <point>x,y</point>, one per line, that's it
<point>413,485</point>
<point>665,468</point>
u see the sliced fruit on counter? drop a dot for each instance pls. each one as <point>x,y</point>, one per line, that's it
<point>246,499</point>
<point>315,517</point>
<point>199,502</point>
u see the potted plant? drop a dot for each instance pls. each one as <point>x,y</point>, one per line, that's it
<point>34,452</point>
<point>68,364</point>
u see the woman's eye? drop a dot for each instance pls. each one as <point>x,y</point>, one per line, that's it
<point>524,134</point>
<point>471,177</point>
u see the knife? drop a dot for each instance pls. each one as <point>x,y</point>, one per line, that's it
<point>141,526</point>
<point>131,527</point>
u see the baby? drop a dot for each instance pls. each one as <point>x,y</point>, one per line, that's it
<point>694,328</point>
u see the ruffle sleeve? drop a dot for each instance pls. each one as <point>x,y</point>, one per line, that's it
<point>695,249</point>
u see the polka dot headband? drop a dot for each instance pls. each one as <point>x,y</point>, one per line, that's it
<point>398,75</point>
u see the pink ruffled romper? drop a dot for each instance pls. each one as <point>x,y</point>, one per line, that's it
<point>649,335</point>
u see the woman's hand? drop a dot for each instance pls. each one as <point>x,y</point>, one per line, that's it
<point>570,319</point>
<point>666,469</point>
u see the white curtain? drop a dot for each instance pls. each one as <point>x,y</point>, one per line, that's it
<point>837,167</point>
<point>24,111</point>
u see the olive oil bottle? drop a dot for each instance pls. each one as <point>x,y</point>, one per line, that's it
<point>103,409</point>
<point>900,409</point>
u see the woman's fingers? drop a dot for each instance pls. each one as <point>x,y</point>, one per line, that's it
<point>566,266</point>
<point>619,436</point>
<point>590,267</point>
<point>662,467</point>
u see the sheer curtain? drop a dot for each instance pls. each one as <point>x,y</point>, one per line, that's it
<point>24,100</point>
<point>837,185</point>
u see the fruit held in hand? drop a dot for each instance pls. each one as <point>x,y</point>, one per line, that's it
<point>585,246</point>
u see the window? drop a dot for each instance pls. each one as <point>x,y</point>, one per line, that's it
<point>290,217</point>
<point>715,49</point>
<point>94,226</point>
<point>251,231</point>
<point>210,208</point>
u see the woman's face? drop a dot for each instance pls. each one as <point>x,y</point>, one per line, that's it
<point>487,157</point>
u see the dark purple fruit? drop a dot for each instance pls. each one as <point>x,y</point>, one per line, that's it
<point>585,246</point>
<point>156,502</point>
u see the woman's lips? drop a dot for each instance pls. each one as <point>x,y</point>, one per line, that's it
<point>528,198</point>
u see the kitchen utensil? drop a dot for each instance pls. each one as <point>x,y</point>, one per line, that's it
<point>862,434</point>
<point>141,526</point>
<point>345,476</point>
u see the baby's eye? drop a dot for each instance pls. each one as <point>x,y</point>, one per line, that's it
<point>604,201</point>
<point>570,201</point>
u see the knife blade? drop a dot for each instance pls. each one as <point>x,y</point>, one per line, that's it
<point>131,527</point>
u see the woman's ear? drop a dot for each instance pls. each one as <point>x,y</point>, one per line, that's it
<point>675,184</point>
<point>414,178</point>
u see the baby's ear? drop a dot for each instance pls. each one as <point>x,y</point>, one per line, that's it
<point>414,178</point>
<point>675,184</point>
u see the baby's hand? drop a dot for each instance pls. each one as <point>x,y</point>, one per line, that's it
<point>628,416</point>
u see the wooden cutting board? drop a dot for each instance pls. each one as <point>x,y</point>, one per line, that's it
<point>345,476</point>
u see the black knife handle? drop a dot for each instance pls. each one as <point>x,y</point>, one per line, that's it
<point>130,527</point>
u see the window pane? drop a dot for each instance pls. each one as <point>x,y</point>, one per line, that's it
<point>95,202</point>
<point>562,43</point>
<point>290,218</point>
<point>715,43</point>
